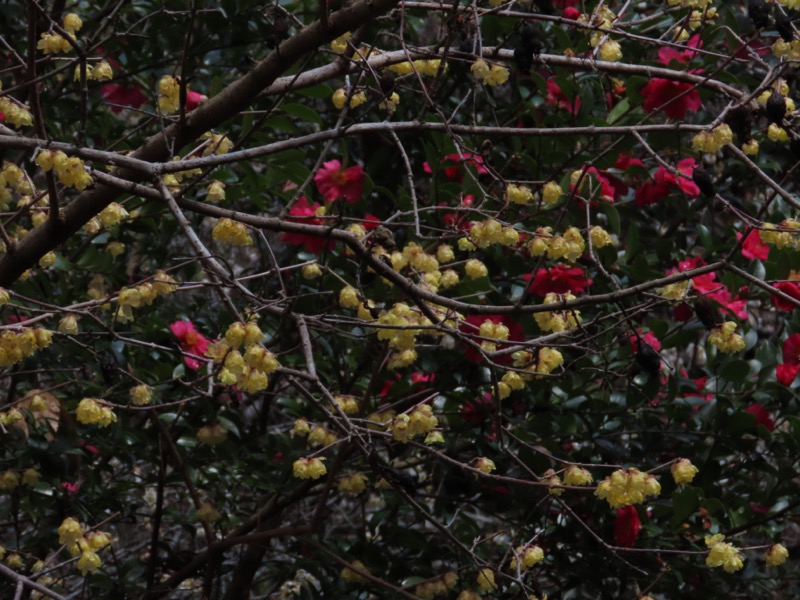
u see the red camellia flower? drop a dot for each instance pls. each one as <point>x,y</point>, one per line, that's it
<point>191,341</point>
<point>607,190</point>
<point>335,183</point>
<point>790,288</point>
<point>302,212</point>
<point>666,55</point>
<point>786,372</point>
<point>753,247</point>
<point>762,415</point>
<point>627,526</point>
<point>649,338</point>
<point>454,169</point>
<point>708,286</point>
<point>194,99</point>
<point>472,325</point>
<point>669,96</point>
<point>653,190</point>
<point>555,96</point>
<point>560,280</point>
<point>123,95</point>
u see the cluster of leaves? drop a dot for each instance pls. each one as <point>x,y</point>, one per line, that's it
<point>398,299</point>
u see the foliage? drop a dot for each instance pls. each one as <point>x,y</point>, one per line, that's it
<point>393,298</point>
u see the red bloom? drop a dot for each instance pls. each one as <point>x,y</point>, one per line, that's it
<point>753,246</point>
<point>790,288</point>
<point>667,55</point>
<point>649,338</point>
<point>653,190</point>
<point>708,286</point>
<point>571,12</point>
<point>555,96</point>
<point>477,411</point>
<point>625,162</point>
<point>700,384</point>
<point>70,488</point>
<point>191,341</point>
<point>627,526</point>
<point>122,95</point>
<point>194,99</point>
<point>301,212</point>
<point>607,191</point>
<point>472,324</point>
<point>786,372</point>
<point>334,183</point>
<point>668,96</point>
<point>560,279</point>
<point>762,415</point>
<point>454,169</point>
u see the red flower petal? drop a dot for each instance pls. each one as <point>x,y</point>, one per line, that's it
<point>627,526</point>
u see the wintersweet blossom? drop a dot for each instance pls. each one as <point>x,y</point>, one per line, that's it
<point>723,554</point>
<point>335,183</point>
<point>776,555</point>
<point>683,471</point>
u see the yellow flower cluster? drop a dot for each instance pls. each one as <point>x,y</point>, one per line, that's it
<point>169,94</point>
<point>70,533</point>
<point>212,435</point>
<point>11,416</point>
<point>489,75</point>
<point>575,475</point>
<point>485,465</point>
<point>610,51</point>
<point>776,555</point>
<point>320,436</point>
<point>698,4</point>
<point>348,297</point>
<point>698,17</point>
<point>787,50</point>
<point>143,295</point>
<point>70,170</point>
<point>600,237</point>
<point>353,485</point>
<point>475,269</point>
<point>415,255</point>
<point>16,345</point>
<point>518,194</point>
<point>15,113</point>
<point>247,371</point>
<point>495,331</point>
<point>725,339</point>
<point>526,557</point>
<point>207,513</point>
<point>485,580</point>
<point>722,554</point>
<point>215,192</point>
<point>776,133</point>
<point>489,232</point>
<point>559,320</point>
<point>683,471</point>
<point>339,45</point>
<point>554,481</point>
<point>548,359</point>
<point>714,140</point>
<point>218,144</point>
<point>675,291</point>
<point>441,586</point>
<point>408,426</point>
<point>101,71</point>
<point>12,178</point>
<point>627,486</point>
<point>228,231</point>
<point>423,67</point>
<point>350,576</point>
<point>141,395</point>
<point>347,404</point>
<point>570,246</point>
<point>782,239</point>
<point>9,480</point>
<point>340,97</point>
<point>93,411</point>
<point>551,193</point>
<point>309,468</point>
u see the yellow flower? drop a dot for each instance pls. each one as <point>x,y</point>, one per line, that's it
<point>610,50</point>
<point>352,576</point>
<point>626,487</point>
<point>600,237</point>
<point>96,540</point>
<point>69,532</point>
<point>750,148</point>
<point>89,562</point>
<point>354,484</point>
<point>311,271</point>
<point>53,43</point>
<point>776,555</point>
<point>141,395</point>
<point>724,338</point>
<point>475,269</point>
<point>485,580</point>
<point>31,477</point>
<point>215,192</point>
<point>9,480</point>
<point>553,480</point>
<point>91,412</point>
<point>777,133</point>
<point>481,70</point>
<point>683,471</point>
<point>309,468</point>
<point>722,554</point>
<point>211,435</point>
<point>497,76</point>
<point>102,71</point>
<point>231,232</point>
<point>339,45</point>
<point>168,94</point>
<point>530,555</point>
<point>485,465</point>
<point>518,194</point>
<point>348,297</point>
<point>207,513</point>
<point>72,23</point>
<point>575,475</point>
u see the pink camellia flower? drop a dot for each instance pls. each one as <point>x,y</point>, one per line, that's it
<point>762,415</point>
<point>122,96</point>
<point>649,338</point>
<point>194,99</point>
<point>754,247</point>
<point>668,96</point>
<point>335,183</point>
<point>191,341</point>
<point>707,285</point>
<point>303,212</point>
<point>70,488</point>
<point>627,526</point>
<point>790,288</point>
<point>787,372</point>
<point>560,280</point>
<point>454,166</point>
<point>653,190</point>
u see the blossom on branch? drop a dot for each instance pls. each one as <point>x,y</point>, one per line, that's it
<point>336,183</point>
